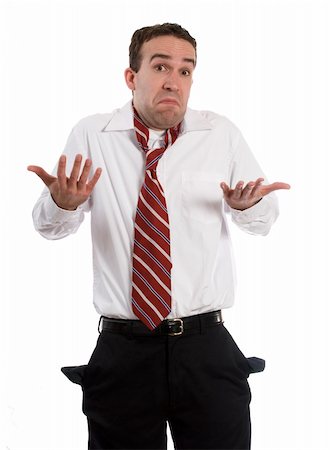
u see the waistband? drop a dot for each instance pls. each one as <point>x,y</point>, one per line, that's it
<point>169,327</point>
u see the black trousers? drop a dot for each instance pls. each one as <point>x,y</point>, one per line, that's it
<point>197,383</point>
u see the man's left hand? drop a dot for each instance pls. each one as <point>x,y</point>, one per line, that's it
<point>244,197</point>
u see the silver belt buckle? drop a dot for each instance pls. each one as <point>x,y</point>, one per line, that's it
<point>175,323</point>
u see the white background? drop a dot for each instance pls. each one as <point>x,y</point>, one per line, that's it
<point>265,65</point>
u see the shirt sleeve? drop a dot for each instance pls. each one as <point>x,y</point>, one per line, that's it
<point>259,218</point>
<point>51,221</point>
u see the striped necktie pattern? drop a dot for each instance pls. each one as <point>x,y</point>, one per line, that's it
<point>151,274</point>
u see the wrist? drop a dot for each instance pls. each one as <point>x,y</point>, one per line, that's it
<point>66,207</point>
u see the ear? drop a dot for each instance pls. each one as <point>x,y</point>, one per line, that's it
<point>130,78</point>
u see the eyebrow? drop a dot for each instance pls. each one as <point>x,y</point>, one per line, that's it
<point>162,56</point>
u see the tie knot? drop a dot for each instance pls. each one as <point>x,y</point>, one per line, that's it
<point>153,156</point>
<point>142,135</point>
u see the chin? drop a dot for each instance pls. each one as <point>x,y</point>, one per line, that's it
<point>168,119</point>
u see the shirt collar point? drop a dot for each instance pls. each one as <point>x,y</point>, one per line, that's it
<point>121,119</point>
<point>195,121</point>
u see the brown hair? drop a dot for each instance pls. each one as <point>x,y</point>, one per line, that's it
<point>147,33</point>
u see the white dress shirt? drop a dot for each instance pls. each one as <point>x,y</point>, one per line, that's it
<point>210,149</point>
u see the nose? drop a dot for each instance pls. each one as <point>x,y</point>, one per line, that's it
<point>172,82</point>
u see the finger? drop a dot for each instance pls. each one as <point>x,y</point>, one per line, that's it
<point>72,181</point>
<point>46,177</point>
<point>84,174</point>
<point>94,180</point>
<point>274,187</point>
<point>61,174</point>
<point>224,187</point>
<point>258,183</point>
<point>238,190</point>
<point>246,192</point>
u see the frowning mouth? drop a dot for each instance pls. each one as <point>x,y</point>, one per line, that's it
<point>169,101</point>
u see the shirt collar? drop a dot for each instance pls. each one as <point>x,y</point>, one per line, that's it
<point>122,119</point>
<point>195,121</point>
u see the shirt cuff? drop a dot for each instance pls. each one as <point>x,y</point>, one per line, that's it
<point>55,214</point>
<point>256,211</point>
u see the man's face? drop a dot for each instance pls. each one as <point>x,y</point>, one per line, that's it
<point>162,85</point>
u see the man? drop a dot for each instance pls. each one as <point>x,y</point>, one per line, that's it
<point>162,258</point>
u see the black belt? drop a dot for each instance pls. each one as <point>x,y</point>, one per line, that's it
<point>169,327</point>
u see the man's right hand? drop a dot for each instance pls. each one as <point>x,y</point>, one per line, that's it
<point>69,192</point>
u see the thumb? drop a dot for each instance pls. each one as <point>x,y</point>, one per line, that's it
<point>274,187</point>
<point>46,177</point>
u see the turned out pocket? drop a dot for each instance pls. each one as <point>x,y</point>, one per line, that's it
<point>256,364</point>
<point>75,374</point>
<point>250,364</point>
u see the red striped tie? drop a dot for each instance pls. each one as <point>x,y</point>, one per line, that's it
<point>151,278</point>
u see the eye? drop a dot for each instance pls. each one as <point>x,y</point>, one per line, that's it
<point>160,68</point>
<point>186,73</point>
